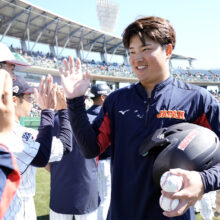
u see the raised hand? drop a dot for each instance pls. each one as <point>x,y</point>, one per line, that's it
<point>61,100</point>
<point>6,103</point>
<point>192,190</point>
<point>74,81</point>
<point>46,97</point>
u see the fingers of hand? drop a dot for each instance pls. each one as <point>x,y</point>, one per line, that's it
<point>2,81</point>
<point>54,90</point>
<point>42,86</point>
<point>167,194</point>
<point>66,66</point>
<point>7,90</point>
<point>72,64</point>
<point>87,75</point>
<point>192,184</point>
<point>63,94</point>
<point>55,87</point>
<point>185,194</point>
<point>49,84</point>
<point>6,104</point>
<point>36,94</point>
<point>180,209</point>
<point>5,85</point>
<point>61,71</point>
<point>180,172</point>
<point>78,66</point>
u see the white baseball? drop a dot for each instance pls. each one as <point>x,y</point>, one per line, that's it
<point>170,182</point>
<point>168,204</point>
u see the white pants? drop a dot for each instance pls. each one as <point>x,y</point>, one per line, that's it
<point>104,188</point>
<point>58,216</point>
<point>27,211</point>
<point>205,205</point>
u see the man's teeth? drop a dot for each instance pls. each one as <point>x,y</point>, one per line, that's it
<point>140,67</point>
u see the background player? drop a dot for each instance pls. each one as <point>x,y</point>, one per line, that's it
<point>9,62</point>
<point>74,188</point>
<point>100,92</point>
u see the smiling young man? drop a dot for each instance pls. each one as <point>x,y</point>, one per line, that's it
<point>149,61</point>
<point>131,114</point>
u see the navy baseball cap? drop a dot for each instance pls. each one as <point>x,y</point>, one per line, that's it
<point>20,86</point>
<point>100,89</point>
<point>89,94</point>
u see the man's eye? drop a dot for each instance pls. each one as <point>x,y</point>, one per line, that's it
<point>145,49</point>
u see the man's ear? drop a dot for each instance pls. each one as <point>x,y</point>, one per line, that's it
<point>169,50</point>
<point>103,98</point>
<point>15,99</point>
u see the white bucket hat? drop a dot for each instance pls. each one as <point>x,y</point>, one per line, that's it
<point>7,56</point>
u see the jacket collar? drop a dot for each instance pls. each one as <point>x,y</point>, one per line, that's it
<point>158,87</point>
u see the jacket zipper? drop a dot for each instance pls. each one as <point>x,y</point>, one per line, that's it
<point>147,110</point>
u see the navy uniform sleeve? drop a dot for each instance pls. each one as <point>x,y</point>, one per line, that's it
<point>210,118</point>
<point>62,130</point>
<point>83,131</point>
<point>9,179</point>
<point>44,137</point>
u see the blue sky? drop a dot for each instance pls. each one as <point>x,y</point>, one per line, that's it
<point>197,22</point>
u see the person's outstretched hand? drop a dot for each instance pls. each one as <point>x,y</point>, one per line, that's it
<point>6,103</point>
<point>61,100</point>
<point>46,96</point>
<point>74,81</point>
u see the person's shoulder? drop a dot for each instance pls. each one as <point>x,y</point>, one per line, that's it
<point>188,86</point>
<point>118,95</point>
<point>94,110</point>
<point>122,91</point>
<point>21,129</point>
<point>24,132</point>
<point>91,117</point>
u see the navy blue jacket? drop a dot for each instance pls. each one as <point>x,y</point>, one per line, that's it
<point>128,116</point>
<point>45,136</point>
<point>74,187</point>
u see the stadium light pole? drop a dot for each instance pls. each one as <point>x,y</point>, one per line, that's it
<point>107,12</point>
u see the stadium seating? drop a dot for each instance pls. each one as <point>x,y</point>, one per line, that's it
<point>113,69</point>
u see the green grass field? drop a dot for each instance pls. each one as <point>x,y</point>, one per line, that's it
<point>43,195</point>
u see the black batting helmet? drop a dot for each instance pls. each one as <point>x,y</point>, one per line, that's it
<point>184,145</point>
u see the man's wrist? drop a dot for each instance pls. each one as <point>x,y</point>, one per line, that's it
<point>62,108</point>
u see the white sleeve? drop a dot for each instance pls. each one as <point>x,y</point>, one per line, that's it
<point>56,150</point>
<point>24,148</point>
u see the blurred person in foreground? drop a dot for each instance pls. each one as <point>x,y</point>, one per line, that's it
<point>9,174</point>
<point>100,92</point>
<point>206,205</point>
<point>131,114</point>
<point>73,185</point>
<point>33,148</point>
<point>9,62</point>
